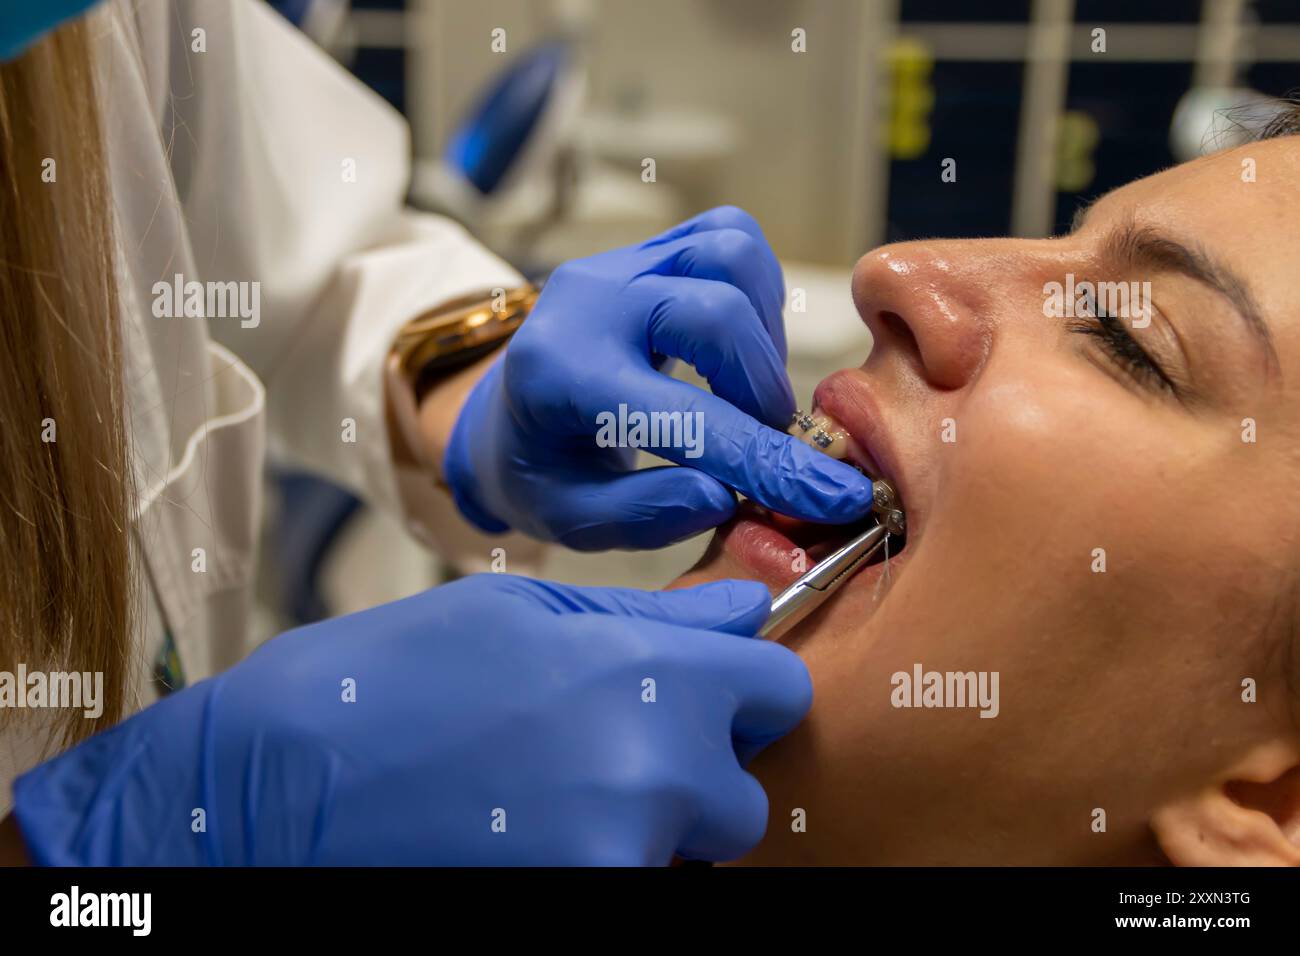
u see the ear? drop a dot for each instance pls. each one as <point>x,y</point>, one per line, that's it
<point>1252,818</point>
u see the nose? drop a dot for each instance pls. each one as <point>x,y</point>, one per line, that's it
<point>924,303</point>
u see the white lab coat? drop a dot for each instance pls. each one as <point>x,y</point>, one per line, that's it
<point>233,164</point>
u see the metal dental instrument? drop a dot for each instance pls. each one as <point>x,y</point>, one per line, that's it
<point>826,577</point>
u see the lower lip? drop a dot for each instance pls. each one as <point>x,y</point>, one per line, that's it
<point>764,550</point>
<point>774,558</point>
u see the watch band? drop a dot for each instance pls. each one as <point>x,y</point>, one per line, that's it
<point>457,333</point>
<point>444,340</point>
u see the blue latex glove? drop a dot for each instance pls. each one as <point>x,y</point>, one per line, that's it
<point>494,699</point>
<point>23,22</point>
<point>524,451</point>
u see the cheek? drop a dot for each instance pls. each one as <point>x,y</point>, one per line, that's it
<point>1067,547</point>
<point>1057,455</point>
<point>1056,527</point>
<point>1070,504</point>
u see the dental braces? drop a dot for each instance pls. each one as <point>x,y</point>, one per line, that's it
<point>884,497</point>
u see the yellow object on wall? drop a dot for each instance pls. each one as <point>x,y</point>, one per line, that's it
<point>911,65</point>
<point>1077,136</point>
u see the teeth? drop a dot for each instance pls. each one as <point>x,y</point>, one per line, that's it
<point>803,422</point>
<point>821,432</point>
<point>825,434</point>
<point>883,497</point>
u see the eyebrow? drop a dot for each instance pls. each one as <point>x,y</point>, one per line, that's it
<point>1146,247</point>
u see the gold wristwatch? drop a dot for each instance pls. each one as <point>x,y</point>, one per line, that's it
<point>445,340</point>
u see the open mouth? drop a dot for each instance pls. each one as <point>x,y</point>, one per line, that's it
<point>780,549</point>
<point>845,424</point>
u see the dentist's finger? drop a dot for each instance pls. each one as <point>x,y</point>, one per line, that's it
<point>773,688</point>
<point>643,510</point>
<point>726,255</point>
<point>731,606</point>
<point>712,326</point>
<point>730,217</point>
<point>774,469</point>
<point>731,818</point>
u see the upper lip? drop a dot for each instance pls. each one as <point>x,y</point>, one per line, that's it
<point>848,398</point>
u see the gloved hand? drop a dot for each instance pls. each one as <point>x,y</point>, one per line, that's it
<point>495,720</point>
<point>524,451</point>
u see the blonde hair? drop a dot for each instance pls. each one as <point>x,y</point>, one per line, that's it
<point>65,504</point>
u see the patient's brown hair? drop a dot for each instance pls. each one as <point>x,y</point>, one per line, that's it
<point>65,504</point>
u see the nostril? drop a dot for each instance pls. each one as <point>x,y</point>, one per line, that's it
<point>901,334</point>
<point>896,324</point>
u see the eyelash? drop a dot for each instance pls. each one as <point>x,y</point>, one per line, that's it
<point>1124,350</point>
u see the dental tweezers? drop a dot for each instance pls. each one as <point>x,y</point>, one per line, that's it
<point>827,576</point>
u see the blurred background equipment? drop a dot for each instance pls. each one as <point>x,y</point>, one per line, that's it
<point>559,128</point>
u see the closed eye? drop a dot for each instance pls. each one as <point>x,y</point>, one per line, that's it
<point>1123,349</point>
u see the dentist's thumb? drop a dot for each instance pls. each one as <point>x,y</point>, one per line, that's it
<point>729,606</point>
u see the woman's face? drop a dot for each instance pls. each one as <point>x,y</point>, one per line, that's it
<point>1109,525</point>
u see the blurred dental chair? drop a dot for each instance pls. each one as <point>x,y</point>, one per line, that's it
<point>509,168</point>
